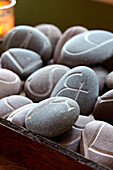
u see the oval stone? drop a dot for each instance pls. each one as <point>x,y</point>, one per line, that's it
<point>88,48</point>
<point>69,33</point>
<point>10,83</point>
<point>97,143</point>
<point>29,38</point>
<point>18,115</point>
<point>53,116</point>
<point>103,109</point>
<point>21,61</point>
<point>51,31</point>
<point>80,84</point>
<point>40,84</point>
<point>11,103</point>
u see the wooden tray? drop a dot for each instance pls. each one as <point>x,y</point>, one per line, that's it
<point>20,149</point>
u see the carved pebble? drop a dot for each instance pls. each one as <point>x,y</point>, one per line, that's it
<point>71,138</point>
<point>80,84</point>
<point>18,115</point>
<point>11,103</point>
<point>21,61</point>
<point>29,38</point>
<point>88,48</point>
<point>97,143</point>
<point>40,84</point>
<point>103,109</point>
<point>51,31</point>
<point>69,33</point>
<point>10,83</point>
<point>53,116</point>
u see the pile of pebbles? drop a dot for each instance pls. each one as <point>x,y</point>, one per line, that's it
<point>60,85</point>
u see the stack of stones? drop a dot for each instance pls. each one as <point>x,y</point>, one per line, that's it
<point>60,85</point>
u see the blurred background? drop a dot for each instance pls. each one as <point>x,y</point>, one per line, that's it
<point>65,13</point>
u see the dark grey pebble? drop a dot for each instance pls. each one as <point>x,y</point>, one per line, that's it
<point>80,84</point>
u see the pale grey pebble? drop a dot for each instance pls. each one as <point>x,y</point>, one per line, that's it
<point>88,48</point>
<point>18,115</point>
<point>53,116</point>
<point>11,103</point>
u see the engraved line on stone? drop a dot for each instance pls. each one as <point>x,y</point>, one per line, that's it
<point>69,106</point>
<point>105,100</point>
<point>100,153</point>
<point>86,51</point>
<point>85,144</point>
<point>89,41</point>
<point>40,107</point>
<point>14,60</point>
<point>82,90</point>
<point>50,86</point>
<point>95,134</point>
<point>79,90</point>
<point>4,82</point>
<point>94,140</point>
<point>9,39</point>
<point>6,115</point>
<point>71,88</point>
<point>26,41</point>
<point>17,111</point>
<point>9,105</point>
<point>50,79</point>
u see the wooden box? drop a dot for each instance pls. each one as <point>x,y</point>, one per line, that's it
<point>20,149</point>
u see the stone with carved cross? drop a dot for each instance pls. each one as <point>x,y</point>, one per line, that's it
<point>80,84</point>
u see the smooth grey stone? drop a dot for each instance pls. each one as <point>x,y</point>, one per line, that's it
<point>11,103</point>
<point>52,32</point>
<point>18,115</point>
<point>29,38</point>
<point>52,116</point>
<point>21,61</point>
<point>88,48</point>
<point>109,80</point>
<point>40,84</point>
<point>10,83</point>
<point>80,84</point>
